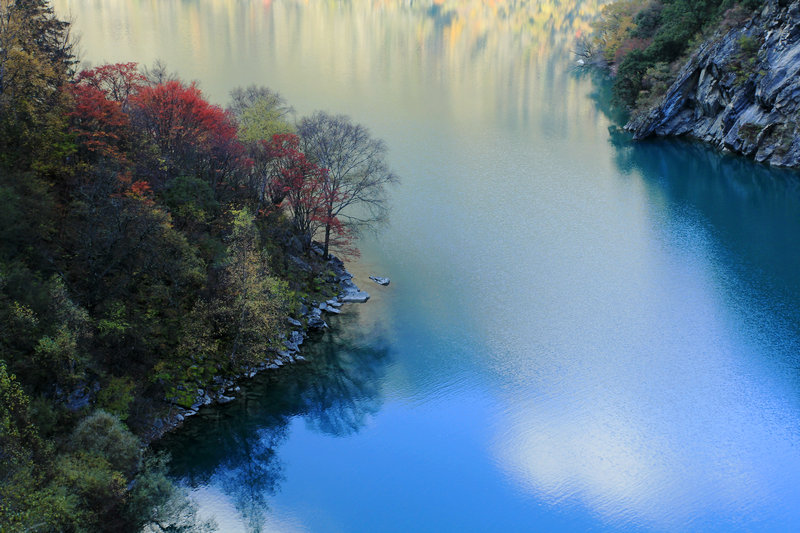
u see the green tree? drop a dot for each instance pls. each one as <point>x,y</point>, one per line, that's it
<point>251,302</point>
<point>35,62</point>
<point>261,113</point>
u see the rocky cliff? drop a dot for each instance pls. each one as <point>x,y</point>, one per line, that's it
<point>739,91</point>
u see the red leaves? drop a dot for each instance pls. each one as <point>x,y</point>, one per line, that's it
<point>191,133</point>
<point>118,82</point>
<point>141,190</point>
<point>99,123</point>
<point>287,167</point>
<point>305,187</point>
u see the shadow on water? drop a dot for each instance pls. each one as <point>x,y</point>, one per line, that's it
<point>752,210</point>
<point>236,446</point>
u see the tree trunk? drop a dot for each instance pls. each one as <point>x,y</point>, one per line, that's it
<point>327,241</point>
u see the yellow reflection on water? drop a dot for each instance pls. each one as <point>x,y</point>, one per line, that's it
<point>488,57</point>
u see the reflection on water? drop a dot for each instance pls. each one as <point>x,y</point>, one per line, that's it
<point>394,52</point>
<point>236,447</point>
<point>584,333</point>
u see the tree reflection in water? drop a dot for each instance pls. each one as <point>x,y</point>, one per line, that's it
<point>236,446</point>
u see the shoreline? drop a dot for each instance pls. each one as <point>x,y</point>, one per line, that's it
<point>308,318</point>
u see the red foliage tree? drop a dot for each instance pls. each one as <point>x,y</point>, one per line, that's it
<point>289,176</point>
<point>99,118</point>
<point>98,123</point>
<point>192,135</point>
<point>118,81</point>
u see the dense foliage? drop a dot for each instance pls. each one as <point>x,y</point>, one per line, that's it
<point>646,41</point>
<point>145,238</point>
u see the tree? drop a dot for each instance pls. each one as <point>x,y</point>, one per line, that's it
<point>99,124</point>
<point>35,60</point>
<point>261,113</point>
<point>303,184</point>
<point>357,173</point>
<point>250,302</point>
<point>192,135</point>
<point>118,81</point>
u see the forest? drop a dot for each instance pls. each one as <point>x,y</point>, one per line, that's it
<point>151,242</point>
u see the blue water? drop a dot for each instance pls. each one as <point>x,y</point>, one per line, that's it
<point>581,333</point>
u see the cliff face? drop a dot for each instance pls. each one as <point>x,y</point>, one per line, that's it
<point>739,91</point>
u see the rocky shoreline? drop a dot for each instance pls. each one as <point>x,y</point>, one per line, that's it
<point>308,318</point>
<point>740,91</point>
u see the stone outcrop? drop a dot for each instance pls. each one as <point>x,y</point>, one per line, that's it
<point>740,91</point>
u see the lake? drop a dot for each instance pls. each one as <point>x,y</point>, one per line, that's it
<point>581,333</point>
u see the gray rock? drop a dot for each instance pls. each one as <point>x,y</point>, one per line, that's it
<point>78,399</point>
<point>334,303</point>
<point>316,322</point>
<point>753,111</point>
<point>354,296</point>
<point>296,337</point>
<point>225,399</point>
<point>302,265</point>
<point>294,322</point>
<point>379,280</point>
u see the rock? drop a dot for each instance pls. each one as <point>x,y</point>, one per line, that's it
<point>354,297</point>
<point>302,265</point>
<point>333,310</point>
<point>294,322</point>
<point>78,399</point>
<point>754,110</point>
<point>379,280</point>
<point>351,293</point>
<point>333,303</point>
<point>225,399</point>
<point>296,337</point>
<point>316,322</point>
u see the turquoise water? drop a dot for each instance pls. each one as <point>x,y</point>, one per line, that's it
<point>580,334</point>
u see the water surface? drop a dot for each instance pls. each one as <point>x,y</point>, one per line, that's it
<point>580,334</point>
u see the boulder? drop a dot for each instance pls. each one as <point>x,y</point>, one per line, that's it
<point>379,280</point>
<point>316,322</point>
<point>354,297</point>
